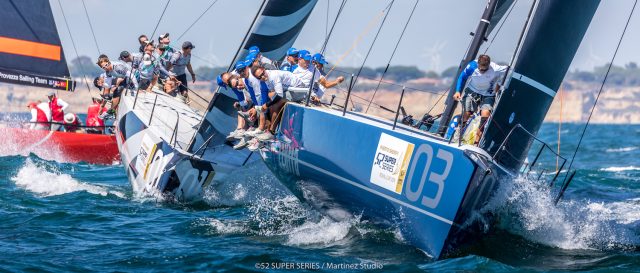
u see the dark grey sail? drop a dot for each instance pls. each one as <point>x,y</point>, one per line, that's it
<point>30,49</point>
<point>274,31</point>
<point>493,13</point>
<point>552,39</point>
<point>501,9</point>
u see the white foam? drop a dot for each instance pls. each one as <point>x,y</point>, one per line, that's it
<point>620,169</point>
<point>528,210</point>
<point>45,183</point>
<point>12,146</point>
<point>324,232</point>
<point>276,216</point>
<point>621,150</point>
<point>623,212</point>
<point>227,227</point>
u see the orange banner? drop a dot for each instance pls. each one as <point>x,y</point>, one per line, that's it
<point>30,49</point>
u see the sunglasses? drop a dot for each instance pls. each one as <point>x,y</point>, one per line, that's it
<point>105,65</point>
<point>232,84</point>
<point>261,76</point>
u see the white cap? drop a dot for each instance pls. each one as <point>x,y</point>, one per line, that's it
<point>69,118</point>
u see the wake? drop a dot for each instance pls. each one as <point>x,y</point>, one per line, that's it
<point>37,179</point>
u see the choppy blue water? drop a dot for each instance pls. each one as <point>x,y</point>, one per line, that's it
<point>78,217</point>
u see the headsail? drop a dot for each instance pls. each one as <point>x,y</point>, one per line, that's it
<point>552,39</point>
<point>30,48</point>
<point>275,30</point>
<point>501,9</point>
<point>278,26</point>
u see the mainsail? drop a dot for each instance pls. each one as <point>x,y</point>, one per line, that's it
<point>276,28</point>
<point>552,39</point>
<point>30,48</point>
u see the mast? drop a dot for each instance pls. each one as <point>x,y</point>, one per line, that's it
<point>552,39</point>
<point>478,38</point>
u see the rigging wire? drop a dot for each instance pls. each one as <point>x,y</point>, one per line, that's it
<point>375,38</point>
<point>326,40</point>
<point>91,27</point>
<point>392,54</point>
<point>160,19</point>
<point>356,41</point>
<point>74,47</point>
<point>604,80</point>
<point>326,24</point>
<point>199,17</point>
<point>561,95</point>
<point>501,25</point>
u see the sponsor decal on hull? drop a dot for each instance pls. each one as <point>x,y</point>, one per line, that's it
<point>390,163</point>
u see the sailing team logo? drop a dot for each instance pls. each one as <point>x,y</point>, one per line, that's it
<point>390,163</point>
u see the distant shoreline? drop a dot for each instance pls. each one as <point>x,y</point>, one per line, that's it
<point>617,105</point>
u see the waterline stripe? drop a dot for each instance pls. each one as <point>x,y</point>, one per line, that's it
<point>533,83</point>
<point>447,221</point>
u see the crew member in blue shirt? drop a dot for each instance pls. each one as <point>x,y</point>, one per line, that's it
<point>290,62</point>
<point>480,80</point>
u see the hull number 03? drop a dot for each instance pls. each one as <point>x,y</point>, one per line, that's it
<point>414,192</point>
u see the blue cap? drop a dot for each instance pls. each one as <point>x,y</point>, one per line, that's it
<point>319,58</point>
<point>304,54</point>
<point>221,82</point>
<point>251,57</point>
<point>242,64</point>
<point>254,49</point>
<point>292,52</point>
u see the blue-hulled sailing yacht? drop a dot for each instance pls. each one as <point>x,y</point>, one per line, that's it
<point>421,183</point>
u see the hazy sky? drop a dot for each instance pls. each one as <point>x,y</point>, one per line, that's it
<point>436,37</point>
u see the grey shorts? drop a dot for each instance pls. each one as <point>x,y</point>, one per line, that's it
<point>473,101</point>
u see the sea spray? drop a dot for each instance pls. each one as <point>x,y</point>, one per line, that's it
<point>37,179</point>
<point>526,208</point>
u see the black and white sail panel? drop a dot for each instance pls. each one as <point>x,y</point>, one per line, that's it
<point>551,41</point>
<point>278,26</point>
<point>30,48</point>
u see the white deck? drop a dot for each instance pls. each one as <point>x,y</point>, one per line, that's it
<point>168,113</point>
<point>401,128</point>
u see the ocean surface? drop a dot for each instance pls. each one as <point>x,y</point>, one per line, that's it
<point>81,217</point>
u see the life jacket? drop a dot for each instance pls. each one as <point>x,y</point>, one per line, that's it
<point>93,116</point>
<point>41,117</point>
<point>72,127</point>
<point>57,115</point>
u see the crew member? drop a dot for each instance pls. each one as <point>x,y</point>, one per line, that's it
<point>180,60</point>
<point>277,81</point>
<point>72,123</point>
<point>95,125</point>
<point>122,78</point>
<point>57,107</point>
<point>318,62</point>
<point>290,62</point>
<point>39,120</point>
<point>142,39</point>
<point>262,60</point>
<point>480,81</point>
